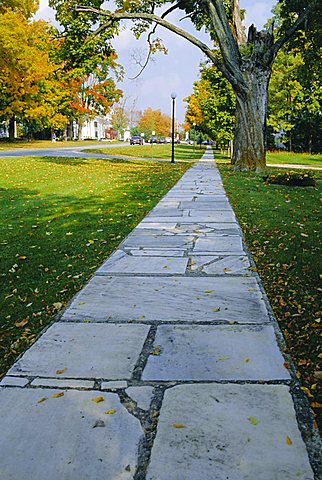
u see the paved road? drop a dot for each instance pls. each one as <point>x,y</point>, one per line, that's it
<point>166,366</point>
<point>68,152</point>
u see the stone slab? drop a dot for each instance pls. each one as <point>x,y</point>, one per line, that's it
<point>84,350</point>
<point>161,252</point>
<point>157,226</point>
<point>113,385</point>
<point>169,299</point>
<point>63,383</point>
<point>57,438</point>
<point>158,241</point>
<point>206,205</point>
<point>207,227</point>
<point>216,352</point>
<point>218,440</point>
<point>14,382</point>
<point>141,395</point>
<point>165,212</point>
<point>120,262</point>
<point>216,243</point>
<point>219,265</point>
<point>215,216</point>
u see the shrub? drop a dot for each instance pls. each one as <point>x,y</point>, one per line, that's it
<point>291,178</point>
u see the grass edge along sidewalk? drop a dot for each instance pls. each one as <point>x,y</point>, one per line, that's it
<point>61,217</point>
<point>283,233</point>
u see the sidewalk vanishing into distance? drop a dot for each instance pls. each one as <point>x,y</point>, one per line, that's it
<point>166,366</point>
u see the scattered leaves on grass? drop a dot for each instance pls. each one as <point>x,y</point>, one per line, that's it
<point>22,323</point>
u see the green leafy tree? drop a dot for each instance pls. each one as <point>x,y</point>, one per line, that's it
<point>212,106</point>
<point>246,62</point>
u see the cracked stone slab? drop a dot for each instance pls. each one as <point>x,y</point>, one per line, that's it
<point>84,350</point>
<point>120,262</point>
<point>215,352</point>
<point>165,212</point>
<point>219,265</point>
<point>228,432</point>
<point>65,442</point>
<point>159,241</point>
<point>169,299</point>
<point>141,395</point>
<point>216,243</point>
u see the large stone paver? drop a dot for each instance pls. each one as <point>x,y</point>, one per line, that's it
<point>216,352</point>
<point>57,438</point>
<point>169,299</point>
<point>84,351</point>
<point>235,432</point>
<point>121,262</point>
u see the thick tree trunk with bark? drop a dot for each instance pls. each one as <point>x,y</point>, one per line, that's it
<point>249,139</point>
<point>12,128</point>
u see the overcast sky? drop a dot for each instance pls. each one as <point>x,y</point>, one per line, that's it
<point>174,72</point>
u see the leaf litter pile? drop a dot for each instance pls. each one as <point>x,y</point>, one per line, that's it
<point>282,228</point>
<point>60,219</point>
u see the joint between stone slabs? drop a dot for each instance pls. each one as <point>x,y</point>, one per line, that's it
<point>146,351</point>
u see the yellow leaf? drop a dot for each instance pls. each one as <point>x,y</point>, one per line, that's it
<point>156,350</point>
<point>226,270</point>
<point>252,269</point>
<point>178,425</point>
<point>110,412</point>
<point>253,420</point>
<point>216,309</point>
<point>59,372</point>
<point>42,399</point>
<point>247,360</point>
<point>22,323</point>
<point>316,405</point>
<point>209,291</point>
<point>302,361</point>
<point>288,441</point>
<point>57,395</point>
<point>223,358</point>
<point>98,399</point>
<point>57,305</point>
<point>91,242</point>
<point>22,257</point>
<point>307,392</point>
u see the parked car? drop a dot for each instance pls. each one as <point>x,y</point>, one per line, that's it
<point>154,139</point>
<point>161,140</point>
<point>136,140</point>
<point>168,139</point>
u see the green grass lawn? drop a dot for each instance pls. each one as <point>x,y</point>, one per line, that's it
<point>60,218</point>
<point>289,158</point>
<point>4,145</point>
<point>183,152</point>
<point>282,227</point>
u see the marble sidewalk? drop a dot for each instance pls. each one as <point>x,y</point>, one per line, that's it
<point>166,366</point>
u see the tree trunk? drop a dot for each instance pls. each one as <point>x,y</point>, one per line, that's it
<point>12,128</point>
<point>249,152</point>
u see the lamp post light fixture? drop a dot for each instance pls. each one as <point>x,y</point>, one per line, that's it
<point>173,96</point>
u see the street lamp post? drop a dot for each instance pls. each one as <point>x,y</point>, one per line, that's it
<point>173,96</point>
<point>194,137</point>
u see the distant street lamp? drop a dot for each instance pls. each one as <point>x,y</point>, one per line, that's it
<point>173,96</point>
<point>194,137</point>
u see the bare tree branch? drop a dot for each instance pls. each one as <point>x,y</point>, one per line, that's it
<point>232,74</point>
<point>296,25</point>
<point>239,30</point>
